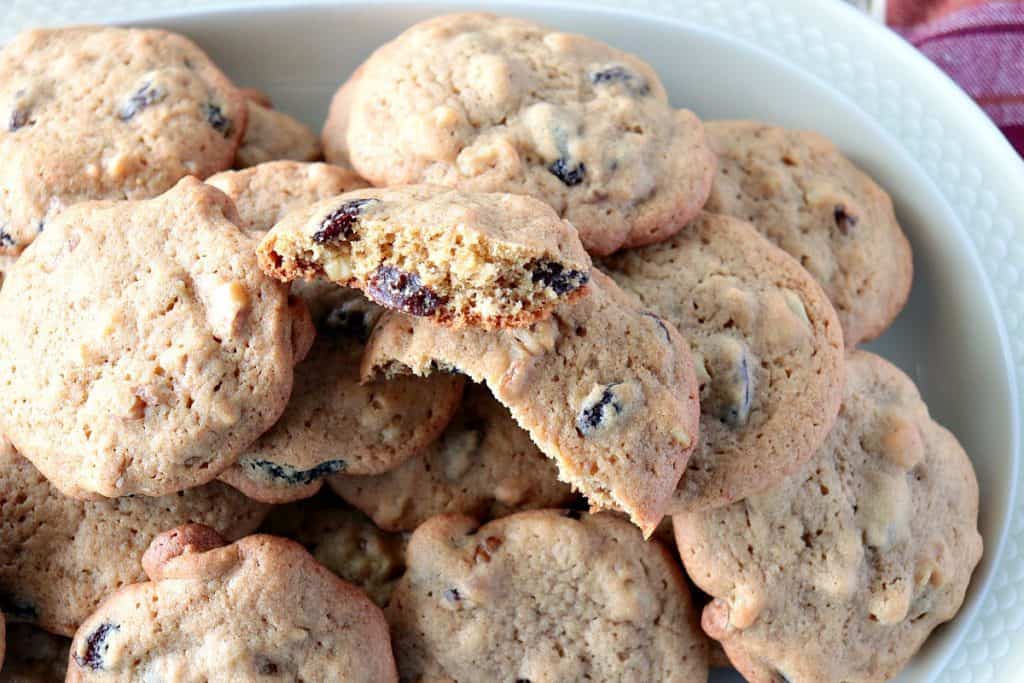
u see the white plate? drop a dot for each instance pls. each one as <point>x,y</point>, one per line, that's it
<point>956,183</point>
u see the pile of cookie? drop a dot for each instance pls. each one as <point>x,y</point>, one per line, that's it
<point>556,348</point>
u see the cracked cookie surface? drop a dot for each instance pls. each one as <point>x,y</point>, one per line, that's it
<point>843,571</point>
<point>458,258</point>
<point>497,104</point>
<point>60,557</point>
<point>484,465</point>
<point>142,349</point>
<point>800,192</point>
<point>605,389</point>
<point>767,348</point>
<point>106,113</point>
<point>543,596</point>
<point>259,607</point>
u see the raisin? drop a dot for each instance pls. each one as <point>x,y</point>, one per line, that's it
<point>19,119</point>
<point>592,416</point>
<point>403,291</point>
<point>145,96</point>
<point>348,323</point>
<point>215,117</point>
<point>6,240</point>
<point>555,276</point>
<point>620,74</point>
<point>661,324</point>
<point>568,172</point>
<point>844,221</point>
<point>292,476</point>
<point>338,223</point>
<point>452,595</point>
<point>574,514</point>
<point>735,411</point>
<point>265,666</point>
<point>17,608</point>
<point>96,646</point>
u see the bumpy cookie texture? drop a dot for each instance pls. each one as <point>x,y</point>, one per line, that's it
<point>492,260</point>
<point>605,389</point>
<point>767,348</point>
<point>484,465</point>
<point>106,113</point>
<point>59,557</point>
<point>261,607</point>
<point>266,193</point>
<point>141,348</point>
<point>542,596</point>
<point>335,423</point>
<point>799,190</point>
<point>273,135</point>
<point>495,104</point>
<point>345,541</point>
<point>34,656</point>
<point>840,573</point>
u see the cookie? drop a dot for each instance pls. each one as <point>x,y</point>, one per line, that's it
<point>6,263</point>
<point>258,96</point>
<point>142,349</point>
<point>333,137</point>
<point>256,608</point>
<point>496,104</point>
<point>483,466</point>
<point>345,541</point>
<point>273,135</point>
<point>59,557</point>
<point>335,423</point>
<point>841,572</point>
<point>34,656</point>
<point>106,113</point>
<point>541,596</point>
<point>604,388</point>
<point>800,191</point>
<point>266,193</point>
<point>458,258</point>
<point>766,344</point>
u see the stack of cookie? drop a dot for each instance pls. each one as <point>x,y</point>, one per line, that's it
<point>553,345</point>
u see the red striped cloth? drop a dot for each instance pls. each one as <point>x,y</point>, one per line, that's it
<point>979,44</point>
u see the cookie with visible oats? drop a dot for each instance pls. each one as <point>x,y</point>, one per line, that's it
<point>766,344</point>
<point>605,389</point>
<point>60,557</point>
<point>484,465</point>
<point>256,608</point>
<point>842,571</point>
<point>94,112</point>
<point>800,192</point>
<point>543,596</point>
<point>497,104</point>
<point>458,258</point>
<point>142,350</point>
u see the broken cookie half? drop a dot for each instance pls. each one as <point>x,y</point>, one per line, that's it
<point>484,260</point>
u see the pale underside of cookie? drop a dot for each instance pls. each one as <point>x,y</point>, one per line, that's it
<point>604,388</point>
<point>458,258</point>
<point>842,571</point>
<point>59,557</point>
<point>496,104</point>
<point>484,465</point>
<point>259,607</point>
<point>767,348</point>
<point>800,191</point>
<point>106,113</point>
<point>543,595</point>
<point>34,656</point>
<point>141,348</point>
<point>345,541</point>
<point>266,193</point>
<point>334,422</point>
<point>272,135</point>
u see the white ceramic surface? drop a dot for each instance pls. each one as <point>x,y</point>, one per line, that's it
<point>955,181</point>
